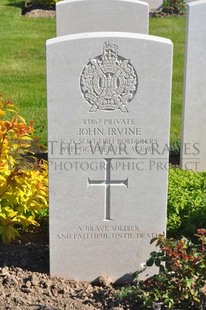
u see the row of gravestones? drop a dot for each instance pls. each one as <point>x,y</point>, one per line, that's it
<point>155,4</point>
<point>109,94</point>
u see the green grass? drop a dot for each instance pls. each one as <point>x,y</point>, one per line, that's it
<point>173,28</point>
<point>22,54</point>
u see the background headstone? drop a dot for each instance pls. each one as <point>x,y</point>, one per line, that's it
<point>193,152</point>
<point>108,126</point>
<point>188,1</point>
<point>154,4</point>
<point>97,15</point>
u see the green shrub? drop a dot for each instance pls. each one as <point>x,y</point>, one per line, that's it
<point>174,6</point>
<point>23,179</point>
<point>181,277</point>
<point>175,148</point>
<point>186,202</point>
<point>41,3</point>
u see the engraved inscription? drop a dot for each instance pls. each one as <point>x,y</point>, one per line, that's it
<point>107,232</point>
<point>107,183</point>
<point>108,82</point>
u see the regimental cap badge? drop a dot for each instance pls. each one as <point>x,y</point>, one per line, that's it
<point>108,82</point>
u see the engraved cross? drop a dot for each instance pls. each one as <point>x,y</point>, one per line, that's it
<point>107,183</point>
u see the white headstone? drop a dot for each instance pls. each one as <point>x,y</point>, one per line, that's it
<point>154,4</point>
<point>193,152</point>
<point>188,1</point>
<point>78,16</point>
<point>108,125</point>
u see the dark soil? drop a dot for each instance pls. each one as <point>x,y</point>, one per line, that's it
<point>36,11</point>
<point>25,282</point>
<point>165,13</point>
<point>21,289</point>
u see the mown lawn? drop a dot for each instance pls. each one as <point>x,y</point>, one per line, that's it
<point>174,29</point>
<point>22,55</point>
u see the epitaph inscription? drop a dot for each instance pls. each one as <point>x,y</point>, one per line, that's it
<point>109,232</point>
<point>109,81</point>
